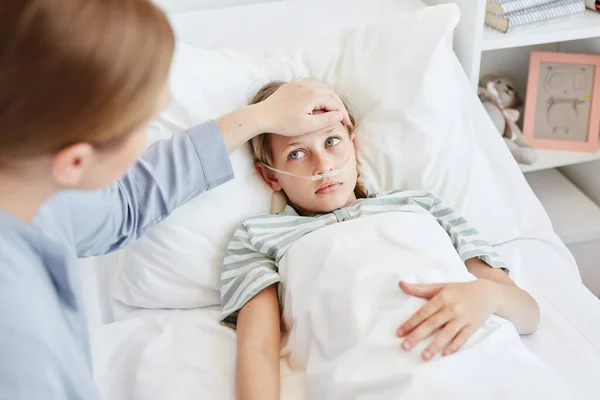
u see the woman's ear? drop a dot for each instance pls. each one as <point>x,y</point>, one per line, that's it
<point>69,165</point>
<point>268,176</point>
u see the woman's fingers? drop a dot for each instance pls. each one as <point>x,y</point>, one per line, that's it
<point>327,100</point>
<point>426,311</point>
<point>324,99</point>
<point>316,122</point>
<point>291,109</point>
<point>323,96</point>
<point>427,327</point>
<point>460,339</point>
<point>444,336</point>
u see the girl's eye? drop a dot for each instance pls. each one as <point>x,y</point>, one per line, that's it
<point>296,154</point>
<point>331,141</point>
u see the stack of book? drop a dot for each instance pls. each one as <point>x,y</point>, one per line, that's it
<point>593,4</point>
<point>506,15</point>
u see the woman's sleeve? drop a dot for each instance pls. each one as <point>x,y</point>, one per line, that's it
<point>245,272</point>
<point>168,174</point>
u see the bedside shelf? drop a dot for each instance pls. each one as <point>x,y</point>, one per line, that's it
<point>556,158</point>
<point>574,216</point>
<point>586,25</point>
<point>575,219</point>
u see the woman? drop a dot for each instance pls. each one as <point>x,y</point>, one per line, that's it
<point>80,80</point>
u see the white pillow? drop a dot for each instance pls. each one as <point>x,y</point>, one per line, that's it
<point>415,131</point>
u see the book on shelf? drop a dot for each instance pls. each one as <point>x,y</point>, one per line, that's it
<point>531,16</point>
<point>500,7</point>
<point>591,4</point>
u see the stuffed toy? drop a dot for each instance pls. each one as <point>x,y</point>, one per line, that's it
<point>500,100</point>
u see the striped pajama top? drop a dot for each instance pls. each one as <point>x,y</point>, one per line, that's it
<point>251,260</point>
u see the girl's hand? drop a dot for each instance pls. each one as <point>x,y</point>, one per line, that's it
<point>456,310</point>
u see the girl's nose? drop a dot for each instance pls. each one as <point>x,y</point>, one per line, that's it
<point>321,163</point>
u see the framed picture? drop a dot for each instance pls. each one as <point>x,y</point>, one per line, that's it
<point>562,109</point>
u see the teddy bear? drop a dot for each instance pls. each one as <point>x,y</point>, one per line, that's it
<point>500,100</point>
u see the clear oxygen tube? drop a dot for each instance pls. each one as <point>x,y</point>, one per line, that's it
<point>316,177</point>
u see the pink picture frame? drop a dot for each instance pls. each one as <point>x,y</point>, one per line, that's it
<point>562,108</point>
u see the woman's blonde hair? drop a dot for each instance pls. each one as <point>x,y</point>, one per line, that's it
<point>78,71</point>
<point>261,144</point>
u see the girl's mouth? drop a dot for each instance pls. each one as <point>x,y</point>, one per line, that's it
<point>328,187</point>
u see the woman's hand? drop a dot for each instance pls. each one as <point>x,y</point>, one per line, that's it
<point>291,109</point>
<point>298,107</point>
<point>455,311</point>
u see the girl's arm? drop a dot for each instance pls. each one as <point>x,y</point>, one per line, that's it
<point>454,311</point>
<point>258,344</point>
<point>514,304</point>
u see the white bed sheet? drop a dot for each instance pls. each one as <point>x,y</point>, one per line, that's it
<point>166,354</point>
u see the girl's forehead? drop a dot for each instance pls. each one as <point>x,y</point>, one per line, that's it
<point>284,141</point>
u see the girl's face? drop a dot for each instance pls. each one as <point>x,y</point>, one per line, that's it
<point>312,154</point>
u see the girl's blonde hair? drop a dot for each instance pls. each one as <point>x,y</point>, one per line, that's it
<point>261,144</point>
<point>78,71</point>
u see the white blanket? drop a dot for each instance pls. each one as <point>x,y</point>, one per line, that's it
<point>342,306</point>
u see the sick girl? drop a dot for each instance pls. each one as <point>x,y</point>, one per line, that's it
<point>318,174</point>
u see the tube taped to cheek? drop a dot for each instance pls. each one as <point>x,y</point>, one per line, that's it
<point>316,177</point>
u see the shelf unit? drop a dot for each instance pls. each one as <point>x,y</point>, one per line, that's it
<point>555,159</point>
<point>577,27</point>
<point>585,26</point>
<point>476,43</point>
<point>579,230</point>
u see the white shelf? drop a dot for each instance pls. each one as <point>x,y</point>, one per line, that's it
<point>555,158</point>
<point>581,26</point>
<point>574,216</point>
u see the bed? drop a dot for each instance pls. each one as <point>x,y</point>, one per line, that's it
<point>155,341</point>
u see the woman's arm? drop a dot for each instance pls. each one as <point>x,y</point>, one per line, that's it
<point>258,344</point>
<point>168,174</point>
<point>172,172</point>
<point>514,303</point>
